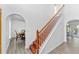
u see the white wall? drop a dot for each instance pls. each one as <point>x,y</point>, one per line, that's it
<point>35,17</point>
<point>71,11</point>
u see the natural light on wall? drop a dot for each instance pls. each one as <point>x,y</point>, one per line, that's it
<point>9,29</point>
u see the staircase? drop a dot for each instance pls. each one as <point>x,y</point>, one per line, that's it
<point>44,32</point>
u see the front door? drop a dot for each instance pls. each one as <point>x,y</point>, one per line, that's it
<point>0,30</point>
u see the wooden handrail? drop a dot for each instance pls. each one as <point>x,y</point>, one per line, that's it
<point>44,32</point>
<point>51,19</point>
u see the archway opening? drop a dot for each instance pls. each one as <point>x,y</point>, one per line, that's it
<point>72,31</point>
<point>15,33</point>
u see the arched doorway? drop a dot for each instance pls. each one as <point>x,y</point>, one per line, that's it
<point>15,33</point>
<point>72,33</point>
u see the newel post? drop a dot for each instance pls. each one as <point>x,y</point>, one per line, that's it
<point>38,41</point>
<point>37,34</point>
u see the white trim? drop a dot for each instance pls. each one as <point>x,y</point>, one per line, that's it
<point>66,28</point>
<point>8,45</point>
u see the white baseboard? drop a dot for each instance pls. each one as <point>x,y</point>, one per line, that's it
<point>55,47</point>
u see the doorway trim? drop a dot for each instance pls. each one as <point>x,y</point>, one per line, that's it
<point>7,27</point>
<point>0,30</point>
<point>66,22</point>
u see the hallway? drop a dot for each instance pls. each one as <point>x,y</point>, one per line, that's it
<point>16,48</point>
<point>70,47</point>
